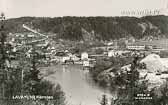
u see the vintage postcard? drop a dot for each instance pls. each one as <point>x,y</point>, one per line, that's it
<point>83,52</point>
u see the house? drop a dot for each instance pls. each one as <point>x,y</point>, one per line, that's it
<point>84,55</point>
<point>117,53</point>
<point>156,45</point>
<point>86,63</point>
<point>157,49</point>
<point>135,46</point>
<point>111,53</point>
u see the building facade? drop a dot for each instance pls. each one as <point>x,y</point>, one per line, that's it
<point>135,47</point>
<point>157,45</point>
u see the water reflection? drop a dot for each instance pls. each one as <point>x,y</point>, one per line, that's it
<point>78,85</point>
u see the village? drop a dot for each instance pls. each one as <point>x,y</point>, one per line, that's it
<point>153,52</point>
<point>88,63</point>
<point>83,52</point>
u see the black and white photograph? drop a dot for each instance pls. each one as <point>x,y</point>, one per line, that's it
<point>83,52</point>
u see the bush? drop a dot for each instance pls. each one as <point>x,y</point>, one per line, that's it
<point>48,89</point>
<point>164,54</point>
<point>99,51</point>
<point>101,65</point>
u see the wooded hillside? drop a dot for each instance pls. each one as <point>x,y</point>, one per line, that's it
<point>101,28</point>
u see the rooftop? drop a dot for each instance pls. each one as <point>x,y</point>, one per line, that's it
<point>154,42</point>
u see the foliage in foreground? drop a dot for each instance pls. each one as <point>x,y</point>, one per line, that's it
<point>133,85</point>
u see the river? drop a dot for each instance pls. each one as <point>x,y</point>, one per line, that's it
<point>78,85</point>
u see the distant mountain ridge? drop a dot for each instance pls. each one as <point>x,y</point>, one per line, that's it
<point>100,28</point>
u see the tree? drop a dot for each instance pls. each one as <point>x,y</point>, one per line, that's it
<point>99,51</point>
<point>31,69</point>
<point>20,75</point>
<point>164,93</point>
<point>50,89</point>
<point>11,76</point>
<point>105,28</point>
<point>133,86</point>
<point>104,100</point>
<point>112,101</point>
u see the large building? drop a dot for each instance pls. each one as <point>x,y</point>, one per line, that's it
<point>135,46</point>
<point>154,45</point>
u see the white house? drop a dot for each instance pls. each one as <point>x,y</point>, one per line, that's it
<point>84,55</point>
<point>116,53</point>
<point>30,35</point>
<point>135,47</point>
<point>111,53</point>
<point>86,63</point>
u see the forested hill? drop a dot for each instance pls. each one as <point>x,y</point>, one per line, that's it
<point>103,28</point>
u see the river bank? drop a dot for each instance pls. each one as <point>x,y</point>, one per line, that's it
<point>78,85</point>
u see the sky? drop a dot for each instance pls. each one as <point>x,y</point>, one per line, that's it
<point>56,8</point>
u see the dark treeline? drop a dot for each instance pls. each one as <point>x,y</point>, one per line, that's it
<point>102,28</point>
